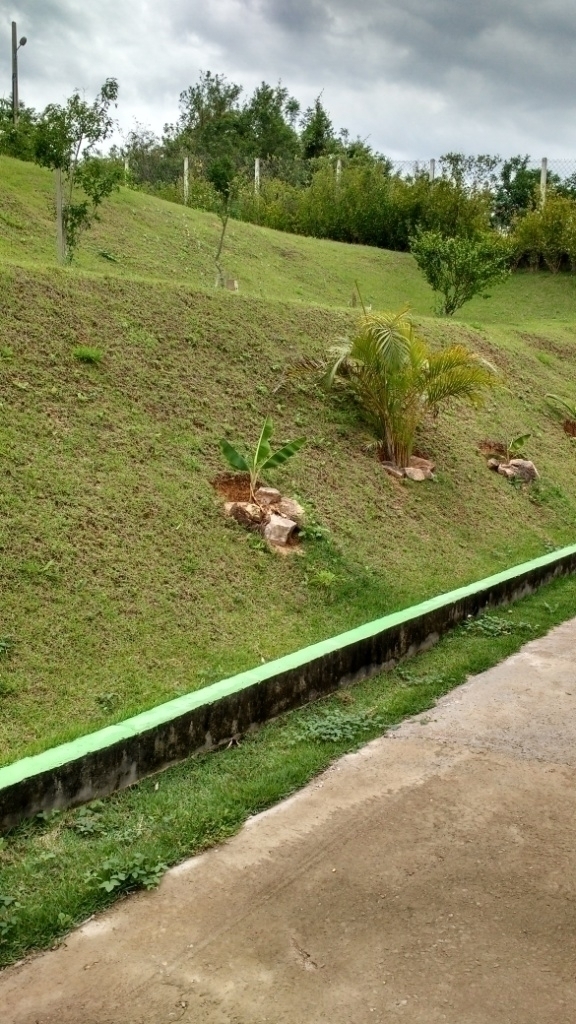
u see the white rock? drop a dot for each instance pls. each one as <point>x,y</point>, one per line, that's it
<point>415,473</point>
<point>278,529</point>
<point>290,509</point>
<point>267,496</point>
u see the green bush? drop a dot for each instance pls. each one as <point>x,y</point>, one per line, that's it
<point>547,236</point>
<point>459,268</point>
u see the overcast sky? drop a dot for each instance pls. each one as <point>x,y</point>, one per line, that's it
<point>417,78</point>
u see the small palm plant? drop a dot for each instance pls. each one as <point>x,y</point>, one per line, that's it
<point>262,458</point>
<point>396,378</point>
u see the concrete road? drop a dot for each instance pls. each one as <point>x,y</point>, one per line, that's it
<point>430,877</point>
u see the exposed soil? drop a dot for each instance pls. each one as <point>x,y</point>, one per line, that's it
<point>493,448</point>
<point>429,878</point>
<point>233,486</point>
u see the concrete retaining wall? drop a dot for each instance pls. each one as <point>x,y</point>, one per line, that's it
<point>115,757</point>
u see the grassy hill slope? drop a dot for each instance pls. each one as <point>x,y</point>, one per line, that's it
<point>121,582</point>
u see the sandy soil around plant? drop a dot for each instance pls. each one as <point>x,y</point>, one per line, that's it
<point>430,877</point>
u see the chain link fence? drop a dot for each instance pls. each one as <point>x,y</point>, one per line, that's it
<point>185,179</point>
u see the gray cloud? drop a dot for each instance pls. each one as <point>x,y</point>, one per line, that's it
<point>418,77</point>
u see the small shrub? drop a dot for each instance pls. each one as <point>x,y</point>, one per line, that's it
<point>137,873</point>
<point>88,821</point>
<point>496,625</point>
<point>85,354</point>
<point>9,907</point>
<point>336,726</point>
<point>6,645</point>
<point>459,268</point>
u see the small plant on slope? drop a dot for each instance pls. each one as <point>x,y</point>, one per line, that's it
<point>564,409</point>
<point>396,378</point>
<point>516,445</point>
<point>262,458</point>
<point>87,354</point>
<point>460,268</point>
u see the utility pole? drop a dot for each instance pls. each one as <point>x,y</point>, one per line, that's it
<point>15,47</point>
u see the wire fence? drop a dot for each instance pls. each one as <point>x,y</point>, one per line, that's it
<point>183,177</point>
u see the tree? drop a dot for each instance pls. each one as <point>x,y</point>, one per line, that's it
<point>317,134</point>
<point>517,191</point>
<point>475,173</point>
<point>210,122</point>
<point>268,122</point>
<point>17,140</point>
<point>395,379</point>
<point>65,140</point>
<point>460,268</point>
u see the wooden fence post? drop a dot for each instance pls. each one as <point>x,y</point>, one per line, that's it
<point>186,180</point>
<point>60,240</point>
<point>543,179</point>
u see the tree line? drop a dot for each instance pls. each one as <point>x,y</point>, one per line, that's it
<point>316,180</point>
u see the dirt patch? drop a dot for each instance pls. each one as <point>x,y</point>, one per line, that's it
<point>493,449</point>
<point>233,486</point>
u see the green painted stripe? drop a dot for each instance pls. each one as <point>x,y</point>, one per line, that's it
<point>147,720</point>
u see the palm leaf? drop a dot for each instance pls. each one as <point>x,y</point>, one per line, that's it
<point>390,333</point>
<point>304,366</point>
<point>233,458</point>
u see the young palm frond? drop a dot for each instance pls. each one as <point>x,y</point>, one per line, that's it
<point>457,373</point>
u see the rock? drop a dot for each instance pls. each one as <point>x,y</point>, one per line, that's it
<point>279,529</point>
<point>290,509</point>
<point>525,469</point>
<point>267,496</point>
<point>245,512</point>
<point>415,462</point>
<point>393,470</point>
<point>414,473</point>
<point>522,469</point>
<point>494,464</point>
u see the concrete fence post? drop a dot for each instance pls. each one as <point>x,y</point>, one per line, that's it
<point>338,170</point>
<point>126,168</point>
<point>257,175</point>
<point>432,170</point>
<point>543,179</point>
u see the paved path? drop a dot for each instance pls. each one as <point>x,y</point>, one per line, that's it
<point>431,877</point>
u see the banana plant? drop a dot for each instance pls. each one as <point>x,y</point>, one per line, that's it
<point>561,407</point>
<point>515,446</point>
<point>262,458</point>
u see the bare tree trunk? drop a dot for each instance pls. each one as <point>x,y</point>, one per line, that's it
<point>220,278</point>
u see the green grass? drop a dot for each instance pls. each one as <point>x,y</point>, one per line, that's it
<point>53,867</point>
<point>122,584</point>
